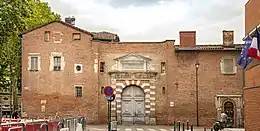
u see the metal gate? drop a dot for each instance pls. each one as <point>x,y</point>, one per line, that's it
<point>133,105</point>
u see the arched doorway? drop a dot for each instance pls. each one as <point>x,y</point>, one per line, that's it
<point>133,110</point>
<point>229,110</point>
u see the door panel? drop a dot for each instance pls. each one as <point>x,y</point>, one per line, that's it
<point>133,105</point>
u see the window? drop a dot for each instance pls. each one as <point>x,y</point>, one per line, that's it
<point>76,36</point>
<point>78,91</point>
<point>102,66</point>
<point>34,63</point>
<point>47,36</point>
<point>78,68</point>
<point>163,68</point>
<point>133,64</point>
<point>102,90</point>
<point>57,63</point>
<point>228,65</point>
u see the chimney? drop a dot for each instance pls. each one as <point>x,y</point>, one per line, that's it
<point>70,20</point>
<point>188,39</point>
<point>228,38</point>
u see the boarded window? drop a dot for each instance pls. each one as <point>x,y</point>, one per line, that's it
<point>34,63</point>
<point>163,68</point>
<point>76,36</point>
<point>78,91</point>
<point>47,36</point>
<point>228,65</point>
<point>57,63</point>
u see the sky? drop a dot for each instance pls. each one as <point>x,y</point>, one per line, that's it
<point>157,20</point>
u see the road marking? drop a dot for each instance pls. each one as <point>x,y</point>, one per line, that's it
<point>128,129</point>
<point>98,129</point>
<point>151,129</point>
<point>139,129</point>
<point>163,130</point>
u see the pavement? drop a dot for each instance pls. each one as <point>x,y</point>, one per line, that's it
<point>138,128</point>
<point>148,128</point>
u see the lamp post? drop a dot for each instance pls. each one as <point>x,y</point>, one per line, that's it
<point>197,96</point>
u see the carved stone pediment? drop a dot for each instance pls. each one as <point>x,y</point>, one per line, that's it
<point>132,75</point>
<point>132,57</point>
<point>132,62</point>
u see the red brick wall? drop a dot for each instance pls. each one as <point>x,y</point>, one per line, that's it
<point>252,15</point>
<point>251,98</point>
<point>252,77</point>
<point>252,106</point>
<point>57,87</point>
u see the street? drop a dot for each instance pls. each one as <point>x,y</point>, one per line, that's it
<point>137,128</point>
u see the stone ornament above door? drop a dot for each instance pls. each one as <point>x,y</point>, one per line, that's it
<point>132,62</point>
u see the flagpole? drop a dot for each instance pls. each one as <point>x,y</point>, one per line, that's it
<point>251,32</point>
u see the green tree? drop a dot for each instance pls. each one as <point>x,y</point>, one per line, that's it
<point>17,16</point>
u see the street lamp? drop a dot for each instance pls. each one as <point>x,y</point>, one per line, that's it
<point>197,96</point>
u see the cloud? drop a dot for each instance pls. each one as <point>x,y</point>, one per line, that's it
<point>157,20</point>
<point>136,3</point>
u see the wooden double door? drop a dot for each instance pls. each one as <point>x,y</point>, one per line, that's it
<point>133,108</point>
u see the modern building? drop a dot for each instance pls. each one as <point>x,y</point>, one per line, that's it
<point>252,73</point>
<point>65,70</point>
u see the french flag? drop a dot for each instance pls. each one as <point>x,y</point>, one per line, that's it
<point>254,49</point>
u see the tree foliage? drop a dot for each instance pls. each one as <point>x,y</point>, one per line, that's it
<point>17,16</point>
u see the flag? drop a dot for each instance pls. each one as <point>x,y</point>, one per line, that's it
<point>253,50</point>
<point>243,59</point>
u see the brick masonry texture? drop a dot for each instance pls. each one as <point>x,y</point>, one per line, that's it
<point>57,88</point>
<point>252,77</point>
<point>252,15</point>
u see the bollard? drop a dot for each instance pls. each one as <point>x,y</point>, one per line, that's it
<point>174,126</point>
<point>183,126</point>
<point>191,127</point>
<point>211,129</point>
<point>179,126</point>
<point>205,129</point>
<point>187,125</point>
<point>44,124</point>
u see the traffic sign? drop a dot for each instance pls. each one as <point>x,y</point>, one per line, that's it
<point>108,91</point>
<point>110,98</point>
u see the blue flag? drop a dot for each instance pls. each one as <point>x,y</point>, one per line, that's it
<point>243,59</point>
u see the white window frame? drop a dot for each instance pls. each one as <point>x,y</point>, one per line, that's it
<point>29,61</point>
<point>75,68</point>
<point>222,65</point>
<point>75,91</point>
<point>54,54</point>
<point>54,37</point>
<point>74,36</point>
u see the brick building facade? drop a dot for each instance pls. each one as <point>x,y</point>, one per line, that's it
<point>252,80</point>
<point>65,70</point>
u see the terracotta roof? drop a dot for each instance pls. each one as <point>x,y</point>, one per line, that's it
<point>64,23</point>
<point>105,36</point>
<point>209,47</point>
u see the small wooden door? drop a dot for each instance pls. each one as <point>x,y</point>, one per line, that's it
<point>133,105</point>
